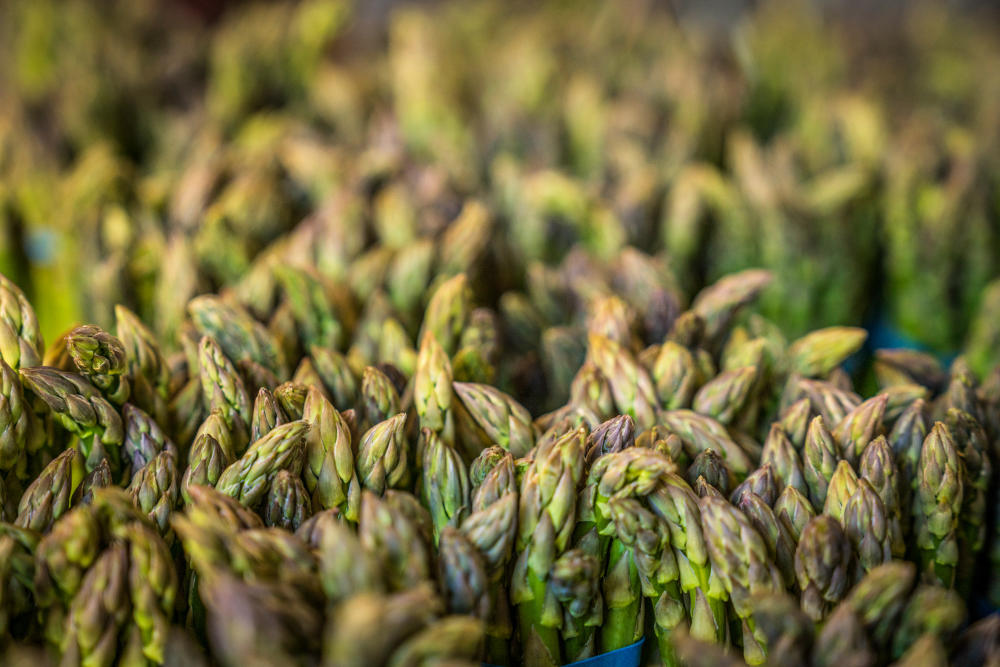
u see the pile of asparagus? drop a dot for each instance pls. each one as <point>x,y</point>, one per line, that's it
<point>451,354</point>
<point>349,474</point>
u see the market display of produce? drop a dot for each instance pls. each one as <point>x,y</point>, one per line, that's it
<point>459,354</point>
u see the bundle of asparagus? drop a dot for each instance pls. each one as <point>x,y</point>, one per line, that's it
<point>402,362</point>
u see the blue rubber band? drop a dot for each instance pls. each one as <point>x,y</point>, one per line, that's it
<point>627,656</point>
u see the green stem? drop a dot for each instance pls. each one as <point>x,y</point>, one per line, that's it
<point>620,623</point>
<point>668,657</point>
<point>735,626</point>
<point>671,612</point>
<point>498,630</point>
<point>719,613</point>
<point>754,653</point>
<point>538,639</point>
<point>967,557</point>
<point>944,573</point>
<point>700,602</point>
<point>581,645</point>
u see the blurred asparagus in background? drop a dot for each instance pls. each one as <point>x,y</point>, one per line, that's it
<point>203,144</point>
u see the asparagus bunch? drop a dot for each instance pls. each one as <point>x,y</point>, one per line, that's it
<point>414,401</point>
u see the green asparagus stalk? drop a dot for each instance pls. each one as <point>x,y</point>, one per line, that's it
<point>153,587</point>
<point>81,410</point>
<point>288,504</point>
<point>223,390</point>
<point>779,541</point>
<point>859,427</point>
<point>291,396</point>
<point>444,484</point>
<point>866,523</point>
<point>787,630</point>
<point>643,540</point>
<point>676,503</point>
<point>843,640</point>
<point>393,541</point>
<point>382,456</point>
<point>761,482</point>
<point>462,573</point>
<point>843,485</point>
<point>344,568</point>
<point>879,600</point>
<point>676,375</point>
<point>819,352</point>
<point>712,468</point>
<point>156,490</point>
<point>238,335</point>
<point>148,373</point>
<point>206,461</point>
<point>432,389</point>
<point>20,338</point>
<point>726,395</point>
<point>379,399</point>
<point>99,610</point>
<point>823,560</point>
<point>795,422</point>
<point>267,414</point>
<point>366,628</point>
<point>144,439</point>
<point>932,610</point>
<point>878,467</point>
<point>937,503</point>
<point>248,479</point>
<point>488,416</point>
<point>447,312</point>
<point>49,496</point>
<point>574,581</point>
<point>739,556</point>
<point>102,359</point>
<point>493,529</point>
<point>17,421</point>
<point>314,310</point>
<point>630,384</point>
<point>329,471</point>
<point>546,523</point>
<point>973,448</point>
<point>337,376</point>
<point>794,511</point>
<point>784,460</point>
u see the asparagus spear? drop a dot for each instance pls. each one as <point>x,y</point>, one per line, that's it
<point>739,556</point>
<point>20,338</point>
<point>248,479</point>
<point>81,410</point>
<point>101,357</point>
<point>823,560</point>
<point>936,505</point>
<point>287,504</point>
<point>546,521</point>
<point>574,581</point>
<point>878,467</point>
<point>99,610</point>
<point>17,421</point>
<point>49,496</point>
<point>329,471</point>
<point>444,484</point>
